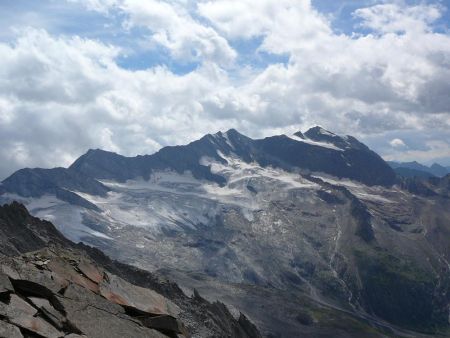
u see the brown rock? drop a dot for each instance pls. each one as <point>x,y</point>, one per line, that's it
<point>21,314</point>
<point>91,271</point>
<point>121,292</point>
<point>66,271</point>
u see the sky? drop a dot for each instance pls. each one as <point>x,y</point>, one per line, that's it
<point>132,76</point>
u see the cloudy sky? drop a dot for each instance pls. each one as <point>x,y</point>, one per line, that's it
<point>132,76</point>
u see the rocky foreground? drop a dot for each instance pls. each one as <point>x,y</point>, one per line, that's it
<point>50,287</point>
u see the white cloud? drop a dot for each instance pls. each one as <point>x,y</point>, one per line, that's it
<point>393,18</point>
<point>397,143</point>
<point>434,149</point>
<point>60,95</point>
<point>171,26</point>
<point>286,25</point>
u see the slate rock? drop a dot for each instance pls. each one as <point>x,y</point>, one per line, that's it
<point>9,331</point>
<point>48,311</point>
<point>5,284</point>
<point>164,323</point>
<point>121,292</point>
<point>21,314</point>
<point>18,304</point>
<point>67,272</point>
<point>95,322</point>
<point>91,271</point>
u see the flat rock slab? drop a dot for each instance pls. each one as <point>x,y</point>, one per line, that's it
<point>121,292</point>
<point>18,304</point>
<point>5,284</point>
<point>48,311</point>
<point>91,271</point>
<point>36,325</point>
<point>99,323</point>
<point>164,323</point>
<point>67,272</point>
<point>9,271</point>
<point>9,331</point>
<point>20,314</point>
<point>76,298</point>
<point>30,275</point>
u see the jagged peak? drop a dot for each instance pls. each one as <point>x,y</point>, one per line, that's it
<point>300,134</point>
<point>318,132</point>
<point>321,130</point>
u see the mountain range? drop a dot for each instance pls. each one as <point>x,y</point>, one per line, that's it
<point>411,169</point>
<point>311,234</point>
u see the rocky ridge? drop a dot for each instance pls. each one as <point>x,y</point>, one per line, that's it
<point>59,290</point>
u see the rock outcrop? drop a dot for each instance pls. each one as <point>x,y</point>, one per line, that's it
<point>59,290</point>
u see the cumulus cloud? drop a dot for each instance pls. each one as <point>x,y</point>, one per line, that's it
<point>397,143</point>
<point>61,94</point>
<point>393,18</point>
<point>286,25</point>
<point>172,26</point>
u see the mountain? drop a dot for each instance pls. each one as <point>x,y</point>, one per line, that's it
<point>410,169</point>
<point>315,151</point>
<point>50,287</point>
<point>310,234</point>
<point>439,170</point>
<point>408,173</point>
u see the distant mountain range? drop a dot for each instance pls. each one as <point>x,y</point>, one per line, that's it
<point>311,234</point>
<point>411,169</point>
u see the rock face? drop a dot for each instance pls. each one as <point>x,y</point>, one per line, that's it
<point>59,290</point>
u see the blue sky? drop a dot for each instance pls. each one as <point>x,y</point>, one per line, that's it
<point>132,76</point>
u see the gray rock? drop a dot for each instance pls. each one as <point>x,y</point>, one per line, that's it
<point>164,323</point>
<point>96,322</point>
<point>22,314</point>
<point>5,284</point>
<point>48,311</point>
<point>18,304</point>
<point>9,331</point>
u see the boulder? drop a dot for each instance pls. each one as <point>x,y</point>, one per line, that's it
<point>91,271</point>
<point>121,292</point>
<point>164,323</point>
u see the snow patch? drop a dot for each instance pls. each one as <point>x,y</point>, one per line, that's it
<point>358,189</point>
<point>315,143</point>
<point>66,217</point>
